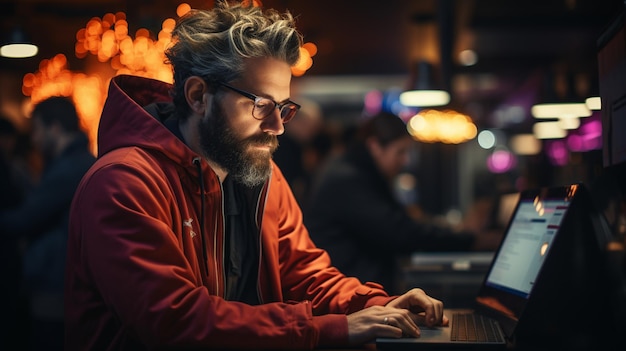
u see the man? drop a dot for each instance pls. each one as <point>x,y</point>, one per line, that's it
<point>41,219</point>
<point>354,213</point>
<point>184,234</point>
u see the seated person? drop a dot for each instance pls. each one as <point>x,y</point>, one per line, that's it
<point>355,216</point>
<point>185,235</point>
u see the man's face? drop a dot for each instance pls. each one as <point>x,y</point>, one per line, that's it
<point>229,134</point>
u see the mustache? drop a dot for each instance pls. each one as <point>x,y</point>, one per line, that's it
<point>263,139</point>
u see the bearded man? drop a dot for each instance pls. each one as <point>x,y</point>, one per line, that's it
<point>185,234</point>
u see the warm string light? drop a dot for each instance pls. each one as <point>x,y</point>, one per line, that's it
<point>307,51</point>
<point>108,39</point>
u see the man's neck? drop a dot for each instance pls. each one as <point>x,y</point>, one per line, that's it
<point>191,137</point>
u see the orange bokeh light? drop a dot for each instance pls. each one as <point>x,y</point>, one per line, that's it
<point>107,39</point>
<point>311,48</point>
<point>448,127</point>
<point>182,9</point>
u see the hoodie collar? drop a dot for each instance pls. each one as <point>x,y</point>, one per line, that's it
<point>126,123</point>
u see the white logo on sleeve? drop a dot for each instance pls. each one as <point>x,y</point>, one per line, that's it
<point>187,223</point>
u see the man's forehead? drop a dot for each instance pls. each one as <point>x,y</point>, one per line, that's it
<point>266,71</point>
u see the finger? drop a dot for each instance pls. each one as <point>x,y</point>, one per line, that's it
<point>404,322</point>
<point>388,331</point>
<point>410,328</point>
<point>438,313</point>
<point>420,320</point>
<point>445,321</point>
<point>417,301</point>
<point>437,318</point>
<point>431,310</point>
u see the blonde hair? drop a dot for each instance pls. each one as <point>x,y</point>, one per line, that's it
<point>213,44</point>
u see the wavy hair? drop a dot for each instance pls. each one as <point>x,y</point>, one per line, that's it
<point>213,44</point>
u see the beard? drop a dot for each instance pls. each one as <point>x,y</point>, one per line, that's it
<point>246,164</point>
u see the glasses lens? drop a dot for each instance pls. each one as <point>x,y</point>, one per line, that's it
<point>263,108</point>
<point>287,112</point>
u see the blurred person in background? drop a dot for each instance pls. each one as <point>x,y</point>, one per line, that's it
<point>40,221</point>
<point>13,321</point>
<point>10,179</point>
<point>355,215</point>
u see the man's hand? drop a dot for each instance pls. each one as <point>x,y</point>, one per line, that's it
<point>400,317</point>
<point>425,309</point>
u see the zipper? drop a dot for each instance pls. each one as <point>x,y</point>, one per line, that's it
<point>259,221</point>
<point>216,257</point>
<point>198,164</point>
<point>219,263</point>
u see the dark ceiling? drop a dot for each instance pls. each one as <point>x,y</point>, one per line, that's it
<point>516,41</point>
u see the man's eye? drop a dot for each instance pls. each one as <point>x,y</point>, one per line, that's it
<point>263,103</point>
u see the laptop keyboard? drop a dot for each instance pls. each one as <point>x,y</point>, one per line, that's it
<point>474,327</point>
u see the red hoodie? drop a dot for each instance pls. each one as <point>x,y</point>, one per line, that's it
<point>136,275</point>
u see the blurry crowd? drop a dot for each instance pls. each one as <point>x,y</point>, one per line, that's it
<point>41,167</point>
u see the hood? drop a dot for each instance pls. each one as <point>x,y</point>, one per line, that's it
<point>125,122</point>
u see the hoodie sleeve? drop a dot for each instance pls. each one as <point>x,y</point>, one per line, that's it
<point>307,273</point>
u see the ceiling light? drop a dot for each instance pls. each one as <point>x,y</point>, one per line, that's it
<point>18,46</point>
<point>448,127</point>
<point>594,103</point>
<point>560,110</point>
<point>525,144</point>
<point>569,123</point>
<point>559,98</point>
<point>425,91</point>
<point>425,98</point>
<point>548,130</point>
<point>468,57</point>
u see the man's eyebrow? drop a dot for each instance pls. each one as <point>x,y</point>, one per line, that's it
<point>283,101</point>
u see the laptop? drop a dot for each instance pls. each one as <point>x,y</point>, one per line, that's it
<point>547,251</point>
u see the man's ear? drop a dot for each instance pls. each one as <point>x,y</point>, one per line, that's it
<point>195,94</point>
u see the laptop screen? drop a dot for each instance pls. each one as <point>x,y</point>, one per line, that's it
<point>527,242</point>
<point>533,226</point>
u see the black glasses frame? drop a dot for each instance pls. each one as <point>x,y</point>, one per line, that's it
<point>287,109</point>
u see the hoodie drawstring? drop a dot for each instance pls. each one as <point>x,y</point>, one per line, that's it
<point>205,257</point>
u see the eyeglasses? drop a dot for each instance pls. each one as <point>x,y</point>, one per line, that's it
<point>263,107</point>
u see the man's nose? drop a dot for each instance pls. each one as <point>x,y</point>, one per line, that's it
<point>273,124</point>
